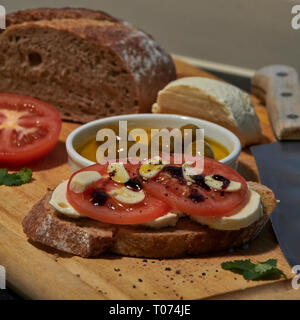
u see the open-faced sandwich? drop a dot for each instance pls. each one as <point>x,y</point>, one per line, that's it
<point>151,209</point>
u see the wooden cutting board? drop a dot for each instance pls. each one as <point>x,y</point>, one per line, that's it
<point>40,273</point>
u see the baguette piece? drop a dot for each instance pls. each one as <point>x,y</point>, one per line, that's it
<point>88,238</point>
<point>212,100</point>
<point>88,65</point>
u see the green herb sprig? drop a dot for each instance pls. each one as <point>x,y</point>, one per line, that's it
<point>15,179</point>
<point>266,270</point>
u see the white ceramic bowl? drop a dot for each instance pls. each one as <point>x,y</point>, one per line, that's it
<point>86,132</point>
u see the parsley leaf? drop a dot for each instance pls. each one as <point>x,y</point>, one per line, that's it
<point>266,270</point>
<point>3,173</point>
<point>15,179</point>
<point>25,175</point>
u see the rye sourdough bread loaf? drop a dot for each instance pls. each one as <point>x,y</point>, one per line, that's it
<point>56,13</point>
<point>87,64</point>
<point>88,238</point>
<point>212,100</point>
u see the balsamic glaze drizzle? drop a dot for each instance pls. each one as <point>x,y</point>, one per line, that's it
<point>99,197</point>
<point>196,196</point>
<point>225,181</point>
<point>134,184</point>
<point>199,180</point>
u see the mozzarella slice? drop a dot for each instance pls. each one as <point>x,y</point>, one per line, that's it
<point>117,172</point>
<point>82,180</point>
<point>125,195</point>
<point>59,201</point>
<point>151,167</point>
<point>244,218</point>
<point>168,220</point>
<point>188,171</point>
<point>218,185</point>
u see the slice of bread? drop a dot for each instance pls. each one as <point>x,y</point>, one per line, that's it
<point>212,100</point>
<point>87,64</point>
<point>89,238</point>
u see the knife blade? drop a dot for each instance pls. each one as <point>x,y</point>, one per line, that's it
<point>279,162</point>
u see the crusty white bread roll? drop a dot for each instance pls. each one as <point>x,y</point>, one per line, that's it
<point>212,100</point>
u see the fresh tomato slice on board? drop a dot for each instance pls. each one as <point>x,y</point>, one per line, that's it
<point>112,211</point>
<point>29,128</point>
<point>170,187</point>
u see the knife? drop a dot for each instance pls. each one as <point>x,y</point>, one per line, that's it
<point>279,162</point>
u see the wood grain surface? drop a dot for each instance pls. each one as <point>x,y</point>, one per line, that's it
<point>38,272</point>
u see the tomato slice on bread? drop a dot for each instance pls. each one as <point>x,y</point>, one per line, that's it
<point>29,128</point>
<point>165,192</point>
<point>111,210</point>
<point>197,198</point>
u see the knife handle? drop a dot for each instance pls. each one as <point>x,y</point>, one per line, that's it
<point>278,86</point>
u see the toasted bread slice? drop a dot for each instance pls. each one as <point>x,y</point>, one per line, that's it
<point>88,238</point>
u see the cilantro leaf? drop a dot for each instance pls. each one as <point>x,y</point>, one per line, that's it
<point>25,175</point>
<point>238,266</point>
<point>15,179</point>
<point>266,270</point>
<point>3,173</point>
<point>12,179</point>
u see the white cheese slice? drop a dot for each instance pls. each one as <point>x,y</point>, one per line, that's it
<point>168,220</point>
<point>59,201</point>
<point>233,186</point>
<point>250,213</point>
<point>125,195</point>
<point>118,172</point>
<point>188,171</point>
<point>151,167</point>
<point>82,180</point>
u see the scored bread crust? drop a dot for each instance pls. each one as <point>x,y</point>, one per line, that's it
<point>89,238</point>
<point>38,14</point>
<point>114,69</point>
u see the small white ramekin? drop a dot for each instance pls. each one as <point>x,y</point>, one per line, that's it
<point>84,133</point>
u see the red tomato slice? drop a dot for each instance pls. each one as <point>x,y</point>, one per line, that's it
<point>29,128</point>
<point>112,211</point>
<point>195,199</point>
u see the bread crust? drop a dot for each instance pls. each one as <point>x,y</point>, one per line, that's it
<point>148,66</point>
<point>56,13</point>
<point>89,238</point>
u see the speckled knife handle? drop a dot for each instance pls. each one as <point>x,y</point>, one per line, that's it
<point>278,86</point>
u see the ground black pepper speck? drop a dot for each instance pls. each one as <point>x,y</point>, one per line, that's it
<point>178,272</point>
<point>140,280</point>
<point>168,269</point>
<point>117,269</point>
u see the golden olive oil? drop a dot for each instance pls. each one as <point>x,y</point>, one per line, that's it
<point>88,150</point>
